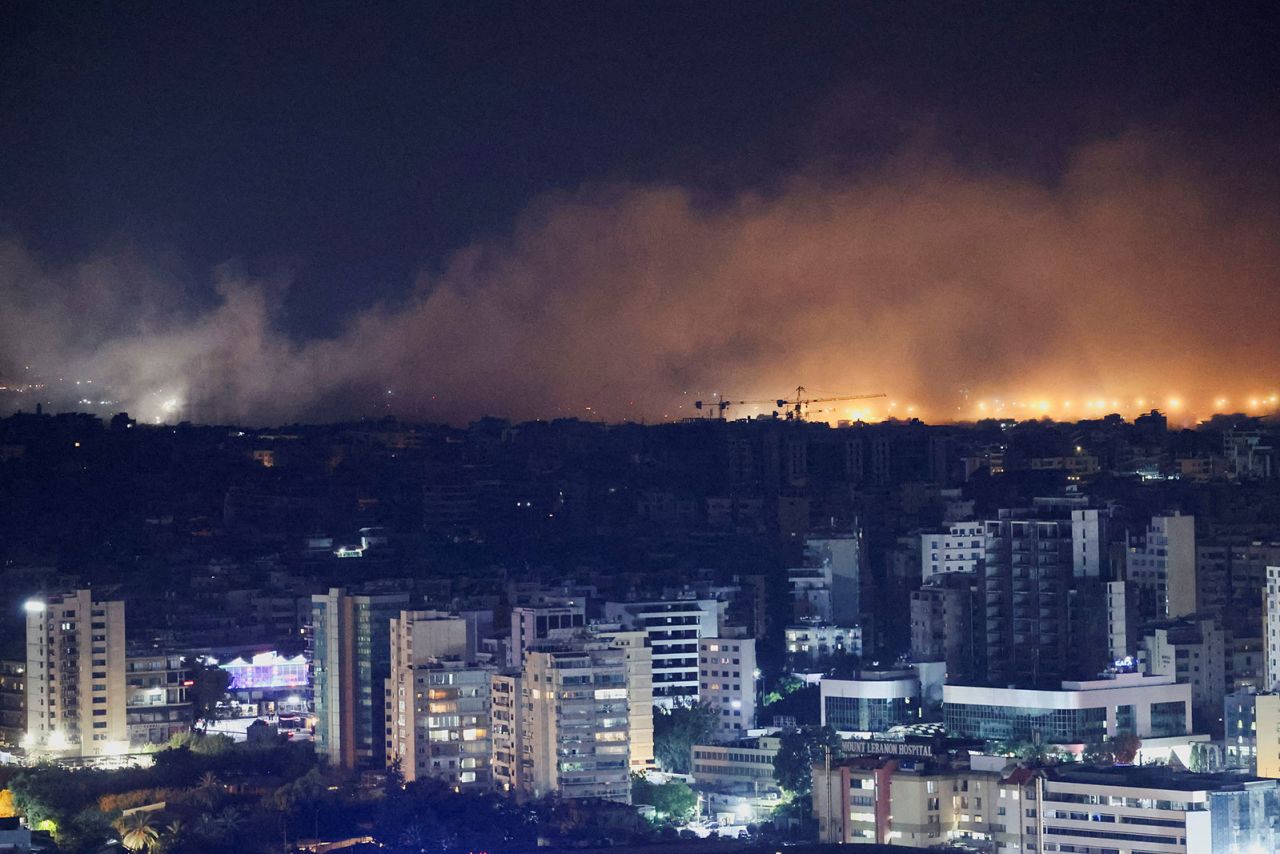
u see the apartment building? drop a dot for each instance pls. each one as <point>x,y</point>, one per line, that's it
<point>575,722</point>
<point>1160,566</point>
<point>75,676</point>
<point>727,683</point>
<point>673,627</point>
<point>158,703</point>
<point>506,730</point>
<point>437,701</point>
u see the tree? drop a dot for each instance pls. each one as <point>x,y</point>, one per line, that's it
<point>673,799</point>
<point>1125,747</point>
<point>208,689</point>
<point>208,789</point>
<point>675,732</point>
<point>138,830</point>
<point>800,750</point>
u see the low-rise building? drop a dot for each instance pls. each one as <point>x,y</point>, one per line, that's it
<point>1152,808</point>
<point>158,703</point>
<point>811,641</point>
<point>1080,713</point>
<point>877,700</point>
<point>903,800</point>
<point>744,766</point>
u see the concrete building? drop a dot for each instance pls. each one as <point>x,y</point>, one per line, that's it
<point>960,548</point>
<point>1160,566</point>
<point>812,641</point>
<point>1042,599</point>
<point>437,700</point>
<point>575,722</point>
<point>158,704</point>
<point>1191,651</point>
<point>743,766</point>
<point>890,800</point>
<point>827,586</point>
<point>439,722</point>
<point>1271,630</point>
<point>639,661</point>
<point>727,683</point>
<point>1080,713</point>
<point>1132,809</point>
<point>945,625</point>
<point>1231,580</point>
<point>1118,620</point>
<point>505,720</point>
<point>673,627</point>
<point>350,664</point>
<point>534,624</point>
<point>76,690</point>
<point>1252,739</point>
<point>13,702</point>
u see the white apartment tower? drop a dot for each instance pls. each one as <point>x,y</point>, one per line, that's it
<point>1161,565</point>
<point>727,683</point>
<point>76,693</point>
<point>1271,630</point>
<point>575,722</point>
<point>960,548</point>
<point>437,701</point>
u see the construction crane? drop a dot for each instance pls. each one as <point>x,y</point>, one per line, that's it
<point>798,408</point>
<point>795,409</point>
<point>719,405</point>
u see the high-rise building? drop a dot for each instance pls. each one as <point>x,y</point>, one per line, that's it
<point>76,692</point>
<point>1191,651</point>
<point>959,549</point>
<point>1231,578</point>
<point>13,702</point>
<point>639,659</point>
<point>1160,566</point>
<point>534,624</point>
<point>506,720</point>
<point>575,722</point>
<point>1271,630</point>
<point>674,627</point>
<point>945,626</point>
<point>351,660</point>
<point>439,722</point>
<point>1040,623</point>
<point>437,701</point>
<point>828,585</point>
<point>727,674</point>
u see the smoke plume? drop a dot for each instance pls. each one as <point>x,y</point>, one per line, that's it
<point>1137,276</point>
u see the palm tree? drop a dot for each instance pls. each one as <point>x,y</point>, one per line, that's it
<point>138,830</point>
<point>207,789</point>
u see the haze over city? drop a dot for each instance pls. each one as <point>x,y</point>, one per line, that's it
<point>1091,238</point>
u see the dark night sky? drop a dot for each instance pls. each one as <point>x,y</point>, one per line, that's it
<point>350,146</point>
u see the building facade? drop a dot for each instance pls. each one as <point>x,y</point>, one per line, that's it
<point>872,703</point>
<point>674,628</point>
<point>1078,713</point>
<point>1160,566</point>
<point>158,706</point>
<point>727,683</point>
<point>76,690</point>
<point>575,723</point>
<point>350,664</point>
